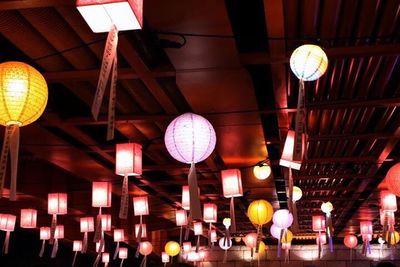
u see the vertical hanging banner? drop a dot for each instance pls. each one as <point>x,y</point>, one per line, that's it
<point>4,156</point>
<point>298,149</point>
<point>108,66</point>
<point>123,212</point>
<point>112,100</point>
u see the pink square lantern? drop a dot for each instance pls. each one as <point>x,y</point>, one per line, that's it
<point>185,197</point>
<point>57,203</point>
<point>101,194</point>
<point>198,228</point>
<point>100,15</point>
<point>77,246</point>
<point>119,235</point>
<point>164,257</point>
<point>210,213</point>
<point>59,233</point>
<point>123,253</point>
<point>388,201</point>
<point>318,223</point>
<point>144,230</point>
<point>287,154</point>
<point>7,222</point>
<point>213,236</point>
<point>387,217</point>
<point>181,218</point>
<point>98,247</point>
<point>187,247</point>
<point>44,233</point>
<point>140,206</point>
<point>232,183</point>
<point>87,224</point>
<point>366,228</point>
<point>28,218</point>
<point>321,239</point>
<point>105,222</point>
<point>128,159</point>
<point>105,257</point>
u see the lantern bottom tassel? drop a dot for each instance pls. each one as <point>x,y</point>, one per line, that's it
<point>287,258</point>
<point>259,236</point>
<point>195,208</point>
<point>10,145</point>
<point>97,232</point>
<point>85,242</point>
<point>123,210</point>
<point>53,228</point>
<point>351,255</point>
<point>232,215</point>
<point>42,249</point>
<point>329,231</point>
<point>144,262</point>
<point>6,242</point>
<point>116,251</point>
<point>96,262</point>
<point>198,244</point>
<point>73,261</point>
<point>139,237</point>
<point>55,249</point>
<point>225,256</point>
<point>279,244</point>
<point>122,263</point>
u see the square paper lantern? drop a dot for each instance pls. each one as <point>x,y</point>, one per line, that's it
<point>140,206</point>
<point>198,228</point>
<point>187,247</point>
<point>28,218</point>
<point>100,15</point>
<point>123,253</point>
<point>119,235</point>
<point>388,201</point>
<point>101,194</point>
<point>44,233</point>
<point>185,197</point>
<point>128,159</point>
<point>105,222</point>
<point>59,233</point>
<point>232,183</point>
<point>213,236</point>
<point>164,257</point>
<point>365,228</point>
<point>57,203</point>
<point>287,154</point>
<point>210,213</point>
<point>98,246</point>
<point>77,246</point>
<point>318,223</point>
<point>105,257</point>
<point>87,224</point>
<point>7,222</point>
<point>181,218</point>
<point>144,230</point>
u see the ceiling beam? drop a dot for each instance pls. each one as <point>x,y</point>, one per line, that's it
<point>24,4</point>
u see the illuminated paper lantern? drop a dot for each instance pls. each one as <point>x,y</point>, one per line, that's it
<point>181,218</point>
<point>185,197</point>
<point>76,247</point>
<point>144,230</point>
<point>190,138</point>
<point>327,208</point>
<point>28,218</point>
<point>283,218</point>
<point>123,253</point>
<point>366,232</point>
<point>58,234</point>
<point>24,97</point>
<point>287,237</point>
<point>105,258</point>
<point>56,205</point>
<point>318,223</point>
<point>119,236</point>
<point>101,15</point>
<point>172,248</point>
<point>260,212</point>
<point>297,193</point>
<point>232,187</point>
<point>308,62</point>
<point>213,236</point>
<point>198,228</point>
<point>98,247</point>
<point>145,248</point>
<point>101,194</point>
<point>387,218</point>
<point>140,206</point>
<point>86,226</point>
<point>210,213</point>
<point>262,171</point>
<point>392,238</point>
<point>351,242</point>
<point>388,201</point>
<point>7,224</point>
<point>164,257</point>
<point>321,239</point>
<point>187,247</point>
<point>392,179</point>
<point>128,162</point>
<point>193,256</point>
<point>250,240</point>
<point>106,222</point>
<point>44,235</point>
<point>287,154</point>
<point>275,231</point>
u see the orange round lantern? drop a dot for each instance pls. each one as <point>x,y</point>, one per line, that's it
<point>393,179</point>
<point>350,241</point>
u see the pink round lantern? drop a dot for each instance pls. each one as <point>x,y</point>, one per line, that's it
<point>250,240</point>
<point>105,222</point>
<point>275,231</point>
<point>283,218</point>
<point>28,218</point>
<point>393,179</point>
<point>388,201</point>
<point>318,223</point>
<point>350,241</point>
<point>190,138</point>
<point>145,248</point>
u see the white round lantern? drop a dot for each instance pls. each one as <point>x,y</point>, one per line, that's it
<point>275,231</point>
<point>308,62</point>
<point>262,172</point>
<point>283,218</point>
<point>297,193</point>
<point>225,244</point>
<point>190,138</point>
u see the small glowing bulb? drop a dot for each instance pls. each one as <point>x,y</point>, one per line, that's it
<point>227,222</point>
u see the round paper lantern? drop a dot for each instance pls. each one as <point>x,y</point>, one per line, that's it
<point>225,244</point>
<point>190,138</point>
<point>275,231</point>
<point>283,218</point>
<point>392,238</point>
<point>260,212</point>
<point>250,240</point>
<point>287,237</point>
<point>262,172</point>
<point>145,248</point>
<point>326,207</point>
<point>308,62</point>
<point>393,179</point>
<point>297,193</point>
<point>172,248</point>
<point>350,241</point>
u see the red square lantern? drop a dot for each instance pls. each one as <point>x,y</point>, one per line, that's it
<point>144,230</point>
<point>105,222</point>
<point>7,222</point>
<point>28,218</point>
<point>210,213</point>
<point>119,235</point>
<point>318,223</point>
<point>59,233</point>
<point>100,15</point>
<point>87,224</point>
<point>232,183</point>
<point>77,246</point>
<point>57,203</point>
<point>198,228</point>
<point>44,233</point>
<point>128,159</point>
<point>101,194</point>
<point>140,206</point>
<point>181,218</point>
<point>388,201</point>
<point>287,154</point>
<point>123,253</point>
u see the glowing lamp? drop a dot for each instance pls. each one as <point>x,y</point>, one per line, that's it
<point>57,204</point>
<point>98,247</point>
<point>366,228</point>
<point>287,154</point>
<point>318,223</point>
<point>185,197</point>
<point>123,253</point>
<point>128,159</point>
<point>105,222</point>
<point>7,222</point>
<point>164,257</point>
<point>250,240</point>
<point>59,233</point>
<point>28,218</point>
<point>213,236</point>
<point>393,179</point>
<point>119,235</point>
<point>181,218</point>
<point>283,218</point>
<point>350,241</point>
<point>144,230</point>
<point>308,62</point>
<point>327,207</point>
<point>388,201</point>
<point>321,239</point>
<point>198,228</point>
<point>101,194</point>
<point>87,224</point>
<point>232,183</point>
<point>297,193</point>
<point>100,15</point>
<point>193,256</point>
<point>386,217</point>
<point>44,233</point>
<point>392,237</point>
<point>227,222</point>
<point>275,231</point>
<point>262,172</point>
<point>210,213</point>
<point>225,244</point>
<point>172,248</point>
<point>145,248</point>
<point>187,247</point>
<point>77,246</point>
<point>262,247</point>
<point>105,257</point>
<point>140,206</point>
<point>260,212</point>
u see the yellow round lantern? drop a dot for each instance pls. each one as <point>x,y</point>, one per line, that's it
<point>297,193</point>
<point>262,172</point>
<point>308,62</point>
<point>23,94</point>
<point>394,238</point>
<point>261,247</point>
<point>172,248</point>
<point>260,212</point>
<point>287,237</point>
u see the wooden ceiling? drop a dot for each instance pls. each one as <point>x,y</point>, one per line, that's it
<point>233,69</point>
